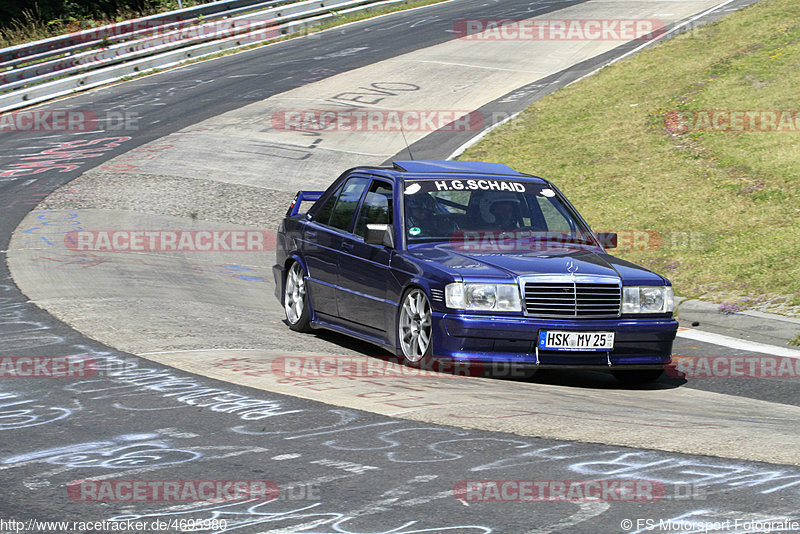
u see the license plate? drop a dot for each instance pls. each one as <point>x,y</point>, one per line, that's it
<point>561,340</point>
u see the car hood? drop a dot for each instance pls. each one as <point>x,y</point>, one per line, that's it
<point>559,261</point>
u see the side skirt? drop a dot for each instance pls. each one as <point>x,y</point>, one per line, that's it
<point>324,322</point>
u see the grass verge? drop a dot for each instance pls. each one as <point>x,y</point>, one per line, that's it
<point>724,201</point>
<point>31,26</point>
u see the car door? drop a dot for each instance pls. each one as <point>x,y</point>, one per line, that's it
<point>322,243</point>
<point>363,268</point>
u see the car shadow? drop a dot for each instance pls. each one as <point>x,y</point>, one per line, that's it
<point>594,379</point>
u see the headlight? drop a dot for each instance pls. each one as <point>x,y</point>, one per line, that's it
<point>647,299</point>
<point>485,297</point>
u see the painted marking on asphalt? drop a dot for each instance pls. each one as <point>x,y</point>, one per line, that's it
<point>733,343</point>
<point>286,456</point>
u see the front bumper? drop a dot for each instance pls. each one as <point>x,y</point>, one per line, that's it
<point>639,342</point>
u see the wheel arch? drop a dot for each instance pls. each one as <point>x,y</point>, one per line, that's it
<point>414,283</point>
<point>290,259</point>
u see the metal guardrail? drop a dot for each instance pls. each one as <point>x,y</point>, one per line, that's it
<point>82,60</point>
<point>36,49</point>
<point>14,55</point>
<point>100,46</point>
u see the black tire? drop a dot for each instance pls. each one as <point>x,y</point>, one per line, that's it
<point>415,329</point>
<point>637,376</point>
<point>295,299</point>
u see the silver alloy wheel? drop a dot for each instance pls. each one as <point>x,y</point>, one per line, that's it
<point>415,325</point>
<point>294,295</point>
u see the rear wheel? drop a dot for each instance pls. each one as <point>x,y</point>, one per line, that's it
<point>295,300</point>
<point>414,328</point>
<point>636,376</point>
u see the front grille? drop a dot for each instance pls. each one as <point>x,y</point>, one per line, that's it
<point>572,299</point>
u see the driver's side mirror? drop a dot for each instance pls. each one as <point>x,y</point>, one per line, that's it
<point>380,234</point>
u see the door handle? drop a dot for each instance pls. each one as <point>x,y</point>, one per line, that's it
<point>311,235</point>
<point>347,246</point>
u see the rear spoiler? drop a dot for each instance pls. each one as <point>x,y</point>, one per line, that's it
<point>300,197</point>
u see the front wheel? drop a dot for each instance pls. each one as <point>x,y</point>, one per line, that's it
<point>295,299</point>
<point>414,329</point>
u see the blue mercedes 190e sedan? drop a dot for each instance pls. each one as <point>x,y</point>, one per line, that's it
<point>469,262</point>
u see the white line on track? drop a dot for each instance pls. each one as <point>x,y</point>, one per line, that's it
<point>741,344</point>
<point>460,150</point>
<point>463,148</point>
<point>648,43</point>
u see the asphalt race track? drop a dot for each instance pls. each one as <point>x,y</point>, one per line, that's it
<point>190,347</point>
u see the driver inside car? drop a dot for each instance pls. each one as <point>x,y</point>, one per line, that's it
<point>500,211</point>
<point>424,217</point>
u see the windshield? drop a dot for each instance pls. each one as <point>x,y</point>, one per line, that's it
<point>470,209</point>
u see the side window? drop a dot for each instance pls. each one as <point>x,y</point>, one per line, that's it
<point>324,213</point>
<point>347,202</point>
<point>377,207</point>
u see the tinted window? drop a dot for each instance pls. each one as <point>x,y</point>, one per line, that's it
<point>440,209</point>
<point>346,204</point>
<point>324,213</point>
<point>377,207</point>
